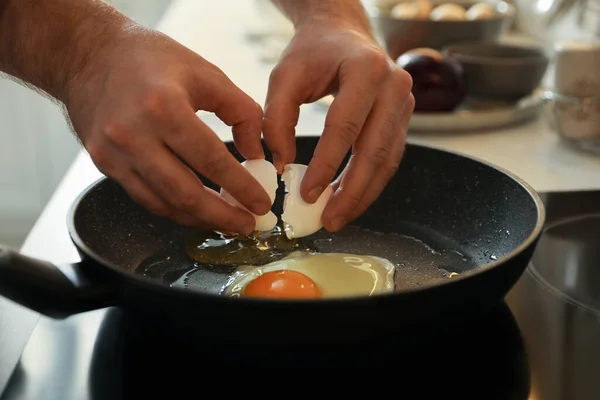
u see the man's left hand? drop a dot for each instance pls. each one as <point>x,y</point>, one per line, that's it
<point>370,113</point>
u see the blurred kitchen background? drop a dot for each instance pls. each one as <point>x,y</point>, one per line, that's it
<point>37,148</point>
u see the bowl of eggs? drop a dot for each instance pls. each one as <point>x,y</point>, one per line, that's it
<point>408,24</point>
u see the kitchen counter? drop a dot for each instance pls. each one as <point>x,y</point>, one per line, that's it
<point>217,30</point>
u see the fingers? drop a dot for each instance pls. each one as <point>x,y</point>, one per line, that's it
<point>203,151</point>
<point>234,107</point>
<point>156,179</point>
<point>376,157</point>
<point>119,170</point>
<point>387,170</point>
<point>181,189</point>
<point>360,83</point>
<point>154,139</point>
<point>139,192</point>
<point>282,110</point>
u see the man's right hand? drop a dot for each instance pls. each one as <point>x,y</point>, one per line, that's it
<point>134,104</point>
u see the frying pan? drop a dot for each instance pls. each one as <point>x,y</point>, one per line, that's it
<point>441,213</point>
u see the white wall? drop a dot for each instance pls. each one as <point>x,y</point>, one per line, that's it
<point>36,146</point>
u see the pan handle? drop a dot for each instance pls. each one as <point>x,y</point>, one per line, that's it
<point>55,291</point>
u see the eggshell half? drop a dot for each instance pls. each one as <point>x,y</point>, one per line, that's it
<point>301,218</point>
<point>266,174</point>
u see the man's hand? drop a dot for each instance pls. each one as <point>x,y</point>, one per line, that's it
<point>334,52</point>
<point>132,94</point>
<point>134,109</point>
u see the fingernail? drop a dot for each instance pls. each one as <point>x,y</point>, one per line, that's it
<point>314,194</point>
<point>279,166</point>
<point>260,208</point>
<point>337,223</point>
<point>277,162</point>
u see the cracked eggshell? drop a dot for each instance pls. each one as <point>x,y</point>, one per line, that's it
<point>301,218</point>
<point>266,174</point>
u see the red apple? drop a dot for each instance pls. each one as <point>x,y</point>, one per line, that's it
<point>438,81</point>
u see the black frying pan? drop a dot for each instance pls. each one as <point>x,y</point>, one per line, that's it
<point>476,220</point>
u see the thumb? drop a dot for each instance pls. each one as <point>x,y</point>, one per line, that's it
<point>215,92</point>
<point>282,110</point>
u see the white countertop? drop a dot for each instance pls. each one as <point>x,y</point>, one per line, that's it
<point>217,30</point>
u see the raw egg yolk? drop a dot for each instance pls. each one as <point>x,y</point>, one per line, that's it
<point>284,284</point>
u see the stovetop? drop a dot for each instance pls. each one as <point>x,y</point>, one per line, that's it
<point>542,342</point>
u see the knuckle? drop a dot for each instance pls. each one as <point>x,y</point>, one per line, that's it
<point>391,128</point>
<point>256,112</point>
<point>157,102</point>
<point>278,74</point>
<point>184,201</point>
<point>118,134</point>
<point>249,113</point>
<point>154,101</point>
<point>327,169</point>
<point>168,187</point>
<point>348,132</point>
<point>390,169</point>
<point>215,164</point>
<point>330,170</point>
<point>249,188</point>
<point>353,199</point>
<point>410,106</point>
<point>100,156</point>
<point>403,79</point>
<point>379,156</point>
<point>379,64</point>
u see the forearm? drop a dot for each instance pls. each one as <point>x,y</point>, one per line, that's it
<point>345,12</point>
<point>47,42</point>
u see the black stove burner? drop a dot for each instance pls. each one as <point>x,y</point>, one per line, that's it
<point>486,353</point>
<point>557,304</point>
<point>567,261</point>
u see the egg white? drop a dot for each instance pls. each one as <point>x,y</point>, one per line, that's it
<point>336,274</point>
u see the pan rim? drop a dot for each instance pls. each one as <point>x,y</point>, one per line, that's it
<point>154,285</point>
